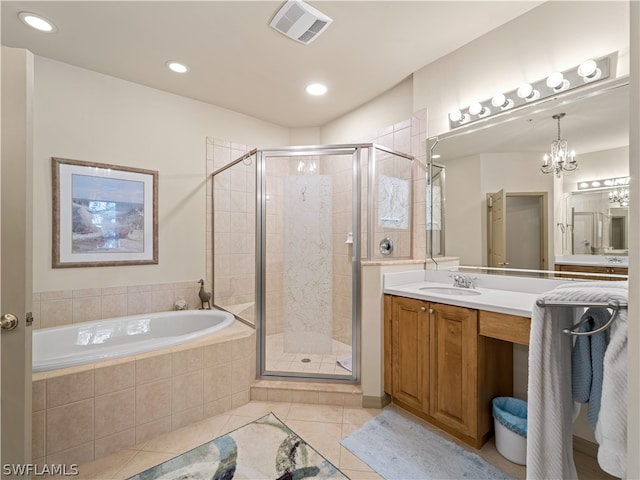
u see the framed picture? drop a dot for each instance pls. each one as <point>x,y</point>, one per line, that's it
<point>103,215</point>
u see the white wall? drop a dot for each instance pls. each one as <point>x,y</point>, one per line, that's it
<point>598,165</point>
<point>389,108</point>
<point>554,36</point>
<point>88,116</point>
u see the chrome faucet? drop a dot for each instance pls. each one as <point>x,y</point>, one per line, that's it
<point>462,281</point>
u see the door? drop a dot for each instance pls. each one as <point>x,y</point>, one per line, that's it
<point>410,359</point>
<point>517,230</point>
<point>583,233</point>
<point>496,204</point>
<point>15,251</point>
<point>525,225</point>
<point>454,351</point>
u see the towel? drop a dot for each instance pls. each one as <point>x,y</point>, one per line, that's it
<point>611,429</point>
<point>587,361</point>
<point>551,408</point>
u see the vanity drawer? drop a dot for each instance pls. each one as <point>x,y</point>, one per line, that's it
<point>502,326</point>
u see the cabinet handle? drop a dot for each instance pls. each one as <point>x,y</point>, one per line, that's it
<point>431,310</point>
<point>423,309</point>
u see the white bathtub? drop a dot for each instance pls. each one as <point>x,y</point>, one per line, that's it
<point>90,342</point>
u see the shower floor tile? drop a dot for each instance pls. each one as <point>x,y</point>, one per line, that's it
<point>277,360</point>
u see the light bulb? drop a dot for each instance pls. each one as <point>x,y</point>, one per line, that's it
<point>557,82</point>
<point>476,108</point>
<point>589,71</point>
<point>37,22</point>
<point>455,115</point>
<point>501,101</point>
<point>527,92</point>
<point>316,89</point>
<point>177,67</point>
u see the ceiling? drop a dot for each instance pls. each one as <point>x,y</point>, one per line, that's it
<point>238,62</point>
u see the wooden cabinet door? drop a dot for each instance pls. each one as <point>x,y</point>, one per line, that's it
<point>410,343</point>
<point>454,393</point>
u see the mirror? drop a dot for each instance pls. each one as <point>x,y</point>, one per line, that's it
<point>597,222</point>
<point>494,183</point>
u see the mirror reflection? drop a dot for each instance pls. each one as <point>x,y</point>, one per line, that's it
<point>500,209</point>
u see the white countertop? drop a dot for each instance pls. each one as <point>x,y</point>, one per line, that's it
<point>493,300</point>
<point>594,260</point>
<point>512,295</point>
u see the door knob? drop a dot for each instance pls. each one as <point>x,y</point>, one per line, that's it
<point>423,309</point>
<point>8,321</point>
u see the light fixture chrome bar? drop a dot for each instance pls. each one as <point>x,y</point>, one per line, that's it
<point>587,72</point>
<point>603,183</point>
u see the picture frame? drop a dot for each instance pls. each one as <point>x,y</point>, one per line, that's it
<point>103,215</point>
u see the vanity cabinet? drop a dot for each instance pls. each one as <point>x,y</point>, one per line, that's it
<point>439,367</point>
<point>604,269</point>
<point>410,364</point>
<point>454,358</point>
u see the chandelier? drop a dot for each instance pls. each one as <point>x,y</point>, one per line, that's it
<point>560,159</point>
<point>619,196</point>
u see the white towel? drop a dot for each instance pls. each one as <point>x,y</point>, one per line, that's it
<point>611,429</point>
<point>551,410</point>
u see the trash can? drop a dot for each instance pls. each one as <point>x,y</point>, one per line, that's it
<point>510,422</point>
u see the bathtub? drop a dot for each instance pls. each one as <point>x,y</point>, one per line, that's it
<point>90,342</point>
<point>146,375</point>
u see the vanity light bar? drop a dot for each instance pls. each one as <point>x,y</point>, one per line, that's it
<point>604,183</point>
<point>587,72</point>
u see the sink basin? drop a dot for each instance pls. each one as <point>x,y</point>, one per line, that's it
<point>451,290</point>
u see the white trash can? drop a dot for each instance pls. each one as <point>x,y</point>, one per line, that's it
<point>510,422</point>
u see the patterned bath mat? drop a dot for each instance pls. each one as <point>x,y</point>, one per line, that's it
<point>264,449</point>
<point>397,448</point>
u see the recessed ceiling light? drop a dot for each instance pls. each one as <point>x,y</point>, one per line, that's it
<point>37,22</point>
<point>177,67</point>
<point>316,89</point>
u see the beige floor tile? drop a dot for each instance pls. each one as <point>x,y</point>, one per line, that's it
<point>324,437</point>
<point>106,467</point>
<point>359,416</point>
<point>141,462</point>
<point>316,413</point>
<point>189,437</point>
<point>235,421</point>
<point>360,475</point>
<point>322,426</point>
<point>348,461</point>
<point>259,409</point>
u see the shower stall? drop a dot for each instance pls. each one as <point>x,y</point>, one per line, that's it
<point>291,228</point>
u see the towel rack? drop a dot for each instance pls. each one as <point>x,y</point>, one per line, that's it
<point>614,305</point>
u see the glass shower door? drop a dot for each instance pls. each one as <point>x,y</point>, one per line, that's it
<point>307,264</point>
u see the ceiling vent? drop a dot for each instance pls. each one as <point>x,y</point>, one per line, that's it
<point>300,21</point>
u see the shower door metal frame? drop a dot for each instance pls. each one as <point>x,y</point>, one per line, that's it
<point>355,150</point>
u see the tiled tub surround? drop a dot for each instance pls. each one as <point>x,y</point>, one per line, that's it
<point>87,412</point>
<point>62,307</point>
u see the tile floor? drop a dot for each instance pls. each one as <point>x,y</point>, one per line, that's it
<point>279,361</point>
<point>322,426</point>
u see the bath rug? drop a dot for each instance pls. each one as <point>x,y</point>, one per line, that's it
<point>263,449</point>
<point>397,448</point>
<point>346,363</point>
